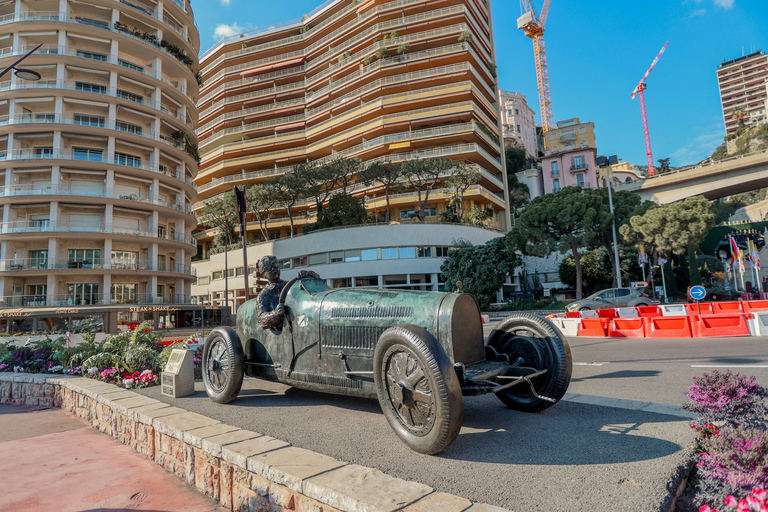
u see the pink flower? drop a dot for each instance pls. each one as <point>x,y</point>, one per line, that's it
<point>706,508</point>
<point>731,501</point>
<point>760,494</point>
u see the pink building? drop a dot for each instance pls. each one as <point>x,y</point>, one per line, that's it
<point>574,167</point>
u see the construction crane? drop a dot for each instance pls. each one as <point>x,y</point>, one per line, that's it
<point>640,91</point>
<point>533,27</point>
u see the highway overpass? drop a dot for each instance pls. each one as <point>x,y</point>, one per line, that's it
<point>713,181</point>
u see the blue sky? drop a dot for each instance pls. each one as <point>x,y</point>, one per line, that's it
<point>598,50</point>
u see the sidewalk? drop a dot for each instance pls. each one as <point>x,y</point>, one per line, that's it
<point>51,460</point>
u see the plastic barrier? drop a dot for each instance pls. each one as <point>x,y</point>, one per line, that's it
<point>486,318</point>
<point>706,308</point>
<point>606,313</point>
<point>708,326</point>
<point>588,313</point>
<point>758,323</point>
<point>627,312</point>
<point>572,314</point>
<point>668,327</point>
<point>627,327</point>
<point>674,310</point>
<point>648,311</point>
<point>751,306</point>
<point>728,307</point>
<point>594,327</point>
<point>568,326</point>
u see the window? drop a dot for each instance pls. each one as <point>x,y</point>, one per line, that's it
<point>553,136</point>
<point>555,185</point>
<point>38,259</point>
<point>389,253</point>
<point>555,169</point>
<point>407,252</point>
<point>218,274</point>
<point>43,152</point>
<point>318,259</point>
<point>83,293</point>
<point>430,211</point>
<point>89,120</point>
<point>577,162</point>
<point>89,87</point>
<point>580,180</point>
<point>337,257</point>
<point>161,232</point>
<point>622,292</point>
<point>239,272</point>
<point>582,130</point>
<point>369,254</point>
<point>518,128</point>
<point>127,160</point>
<point>92,55</point>
<point>130,65</point>
<point>40,223</point>
<point>517,111</point>
<point>441,252</point>
<point>353,255</point>
<point>344,282</point>
<point>203,280</point>
<point>124,293</point>
<point>301,261</point>
<point>285,264</point>
<point>230,271</point>
<point>91,155</point>
<point>407,214</point>
<point>125,259</point>
<point>84,258</point>
<point>555,149</point>
<point>509,112</point>
<point>584,144</point>
<point>130,96</point>
<point>424,252</point>
<point>128,127</point>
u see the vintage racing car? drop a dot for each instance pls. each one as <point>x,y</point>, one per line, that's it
<point>419,353</point>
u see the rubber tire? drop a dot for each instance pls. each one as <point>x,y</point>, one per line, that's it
<point>236,367</point>
<point>585,309</point>
<point>551,352</point>
<point>448,404</point>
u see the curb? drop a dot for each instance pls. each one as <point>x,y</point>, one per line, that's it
<point>242,470</point>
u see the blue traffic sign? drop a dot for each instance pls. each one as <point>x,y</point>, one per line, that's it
<point>697,292</point>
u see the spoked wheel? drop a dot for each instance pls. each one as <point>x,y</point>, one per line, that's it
<point>418,389</point>
<point>533,343</point>
<point>223,363</point>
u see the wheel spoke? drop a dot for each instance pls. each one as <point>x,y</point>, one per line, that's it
<point>422,397</point>
<point>415,377</point>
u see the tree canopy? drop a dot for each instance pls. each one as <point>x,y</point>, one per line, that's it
<point>222,215</point>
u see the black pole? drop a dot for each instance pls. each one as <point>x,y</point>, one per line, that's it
<point>241,210</point>
<point>21,59</point>
<point>226,276</point>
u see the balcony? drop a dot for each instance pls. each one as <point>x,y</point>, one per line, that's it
<point>568,137</point>
<point>79,227</point>
<point>579,167</point>
<point>23,264</point>
<point>15,301</point>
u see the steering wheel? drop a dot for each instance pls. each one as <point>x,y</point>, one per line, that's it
<point>284,291</point>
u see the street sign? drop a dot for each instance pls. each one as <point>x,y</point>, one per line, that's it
<point>639,284</point>
<point>697,292</point>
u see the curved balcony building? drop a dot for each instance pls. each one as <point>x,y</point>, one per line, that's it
<point>377,80</point>
<point>97,157</point>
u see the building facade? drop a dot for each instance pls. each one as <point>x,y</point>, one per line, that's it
<point>569,156</point>
<point>381,81</point>
<point>97,158</point>
<point>742,84</point>
<point>518,122</point>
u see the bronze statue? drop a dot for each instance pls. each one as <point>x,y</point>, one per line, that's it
<point>270,312</point>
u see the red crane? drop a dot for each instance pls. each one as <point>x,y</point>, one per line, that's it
<point>534,28</point>
<point>639,90</point>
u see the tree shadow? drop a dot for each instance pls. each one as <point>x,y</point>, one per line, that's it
<point>623,374</point>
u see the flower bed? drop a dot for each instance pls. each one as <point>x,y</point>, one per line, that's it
<point>731,453</point>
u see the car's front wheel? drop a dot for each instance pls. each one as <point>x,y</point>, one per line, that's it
<point>223,363</point>
<point>418,389</point>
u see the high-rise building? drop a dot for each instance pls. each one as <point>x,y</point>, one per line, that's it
<point>569,156</point>
<point>380,81</point>
<point>97,162</point>
<point>518,123</point>
<point>742,84</point>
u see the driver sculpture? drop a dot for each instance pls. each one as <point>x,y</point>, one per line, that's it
<point>419,353</point>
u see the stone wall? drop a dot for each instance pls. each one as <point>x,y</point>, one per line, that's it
<point>242,470</point>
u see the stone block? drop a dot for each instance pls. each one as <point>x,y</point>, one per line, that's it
<point>225,484</point>
<point>304,504</point>
<point>212,445</point>
<point>207,479</point>
<point>108,397</point>
<point>238,453</point>
<point>482,507</point>
<point>6,396</point>
<point>354,487</point>
<point>175,425</point>
<point>249,492</point>
<point>123,405</point>
<point>290,466</point>
<point>148,413</point>
<point>174,456</point>
<point>145,439</point>
<point>195,437</point>
<point>439,501</point>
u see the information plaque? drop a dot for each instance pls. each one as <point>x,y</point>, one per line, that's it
<point>178,378</point>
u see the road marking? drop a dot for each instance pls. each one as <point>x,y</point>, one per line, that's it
<point>589,364</point>
<point>727,365</point>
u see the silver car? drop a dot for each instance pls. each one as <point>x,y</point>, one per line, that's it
<point>612,298</point>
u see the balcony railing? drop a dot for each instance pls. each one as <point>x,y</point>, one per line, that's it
<point>579,167</point>
<point>17,301</point>
<point>80,227</point>
<point>65,263</point>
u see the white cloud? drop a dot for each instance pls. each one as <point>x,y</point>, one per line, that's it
<point>223,31</point>
<point>725,4</point>
<point>226,2</point>
<point>698,12</point>
<point>700,147</point>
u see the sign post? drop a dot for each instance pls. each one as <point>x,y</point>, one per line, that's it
<point>697,293</point>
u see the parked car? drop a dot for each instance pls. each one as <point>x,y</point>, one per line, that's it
<point>418,353</point>
<point>612,298</point>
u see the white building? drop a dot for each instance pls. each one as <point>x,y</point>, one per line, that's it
<point>519,122</point>
<point>742,85</point>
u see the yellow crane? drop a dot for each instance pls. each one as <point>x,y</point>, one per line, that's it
<point>533,27</point>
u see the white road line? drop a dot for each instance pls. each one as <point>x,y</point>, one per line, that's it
<point>589,364</point>
<point>727,365</point>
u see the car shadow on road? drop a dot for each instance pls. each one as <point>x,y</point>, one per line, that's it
<point>623,374</point>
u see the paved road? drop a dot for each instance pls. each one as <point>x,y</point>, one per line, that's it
<point>571,457</point>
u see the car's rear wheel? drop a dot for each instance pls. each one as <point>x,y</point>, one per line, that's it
<point>585,309</point>
<point>533,342</point>
<point>418,389</point>
<point>223,363</point>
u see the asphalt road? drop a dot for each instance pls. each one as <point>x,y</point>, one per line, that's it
<point>571,457</point>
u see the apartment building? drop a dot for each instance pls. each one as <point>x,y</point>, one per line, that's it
<point>377,80</point>
<point>742,84</point>
<point>97,163</point>
<point>569,156</point>
<point>518,122</point>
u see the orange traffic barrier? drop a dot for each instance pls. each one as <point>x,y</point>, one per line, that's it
<point>708,326</point>
<point>594,327</point>
<point>572,314</point>
<point>627,327</point>
<point>606,313</point>
<point>706,308</point>
<point>735,306</point>
<point>647,311</point>
<point>669,327</point>
<point>755,305</point>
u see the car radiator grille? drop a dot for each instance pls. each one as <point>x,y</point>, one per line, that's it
<point>351,337</point>
<point>372,312</point>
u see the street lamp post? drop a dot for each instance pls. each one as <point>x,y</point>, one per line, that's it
<point>606,163</point>
<point>24,74</point>
<point>723,255</point>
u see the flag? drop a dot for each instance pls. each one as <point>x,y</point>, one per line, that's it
<point>642,257</point>
<point>754,257</point>
<point>734,250</point>
<point>662,257</point>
